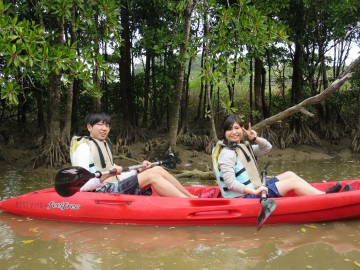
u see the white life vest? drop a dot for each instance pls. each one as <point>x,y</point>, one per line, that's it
<point>100,152</point>
<point>246,169</point>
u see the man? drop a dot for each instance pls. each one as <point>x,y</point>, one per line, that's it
<point>93,154</point>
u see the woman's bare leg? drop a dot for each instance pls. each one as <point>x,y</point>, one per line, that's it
<point>289,181</point>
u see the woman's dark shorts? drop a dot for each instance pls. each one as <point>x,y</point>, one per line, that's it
<point>127,186</point>
<point>272,189</point>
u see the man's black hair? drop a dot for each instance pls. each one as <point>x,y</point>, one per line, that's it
<point>96,117</point>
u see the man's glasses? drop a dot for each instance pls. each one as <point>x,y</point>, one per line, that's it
<point>101,125</point>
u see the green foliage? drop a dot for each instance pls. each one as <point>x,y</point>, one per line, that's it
<point>355,79</point>
<point>237,32</point>
<point>11,92</point>
<point>229,108</point>
<point>29,49</point>
<point>340,98</point>
<point>32,45</point>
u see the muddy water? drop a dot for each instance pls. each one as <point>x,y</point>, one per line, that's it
<point>40,244</point>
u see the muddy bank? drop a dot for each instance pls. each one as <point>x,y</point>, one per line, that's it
<point>21,155</point>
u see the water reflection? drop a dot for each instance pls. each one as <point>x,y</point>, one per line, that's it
<point>17,182</point>
<point>148,247</point>
<point>320,170</point>
<point>42,244</point>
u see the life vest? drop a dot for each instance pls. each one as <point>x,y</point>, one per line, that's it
<point>101,156</point>
<point>246,169</point>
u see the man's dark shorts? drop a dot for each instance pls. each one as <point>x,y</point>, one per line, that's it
<point>127,186</point>
<point>272,189</point>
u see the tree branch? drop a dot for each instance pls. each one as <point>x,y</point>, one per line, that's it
<point>345,76</point>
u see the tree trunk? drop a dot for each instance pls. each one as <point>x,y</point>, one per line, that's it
<point>185,102</point>
<point>155,113</point>
<point>174,123</point>
<point>67,112</point>
<point>54,152</point>
<point>297,6</point>
<point>212,119</point>
<point>251,91</point>
<point>96,78</point>
<point>54,90</point>
<point>125,68</point>
<point>201,109</point>
<point>267,113</point>
<point>258,88</point>
<point>341,52</point>
<point>41,125</point>
<point>297,77</point>
<point>263,87</point>
<point>21,115</point>
<point>70,90</point>
<point>231,86</point>
<point>105,85</point>
<point>75,109</point>
<point>146,88</point>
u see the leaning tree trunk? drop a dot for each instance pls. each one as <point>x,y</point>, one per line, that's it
<point>345,76</point>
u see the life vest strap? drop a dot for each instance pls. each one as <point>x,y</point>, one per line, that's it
<point>102,159</point>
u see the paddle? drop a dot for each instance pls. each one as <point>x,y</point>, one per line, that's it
<point>267,205</point>
<point>69,180</point>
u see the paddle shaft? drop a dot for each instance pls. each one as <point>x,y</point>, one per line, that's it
<point>126,169</point>
<point>263,178</point>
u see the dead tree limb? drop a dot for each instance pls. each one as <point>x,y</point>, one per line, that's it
<point>345,76</point>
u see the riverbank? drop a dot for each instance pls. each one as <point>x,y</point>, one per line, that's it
<point>22,155</point>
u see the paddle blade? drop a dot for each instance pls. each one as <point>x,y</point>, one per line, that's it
<point>69,180</point>
<point>267,207</point>
<point>169,161</point>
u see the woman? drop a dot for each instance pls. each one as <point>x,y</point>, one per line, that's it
<point>237,172</point>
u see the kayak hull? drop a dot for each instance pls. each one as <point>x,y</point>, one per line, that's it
<point>92,207</point>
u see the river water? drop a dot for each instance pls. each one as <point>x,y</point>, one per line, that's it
<point>40,244</point>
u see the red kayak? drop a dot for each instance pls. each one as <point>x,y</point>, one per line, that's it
<point>95,207</point>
